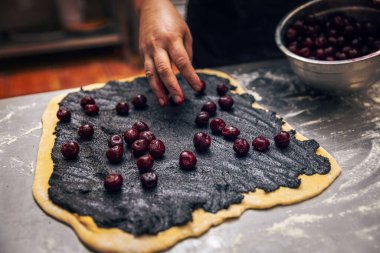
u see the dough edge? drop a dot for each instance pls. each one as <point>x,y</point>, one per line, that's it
<point>116,240</point>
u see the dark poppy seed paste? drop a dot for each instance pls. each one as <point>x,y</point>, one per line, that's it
<point>219,179</point>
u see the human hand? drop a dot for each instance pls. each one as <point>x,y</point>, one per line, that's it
<point>165,39</point>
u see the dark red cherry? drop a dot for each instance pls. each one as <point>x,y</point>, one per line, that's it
<point>321,42</point>
<point>364,50</point>
<point>115,154</point>
<point>147,135</point>
<point>317,29</point>
<point>330,58</point>
<point>356,42</point>
<point>308,42</point>
<point>329,51</point>
<point>349,30</point>
<point>149,180</point>
<point>145,163</point>
<point>122,108</point>
<point>217,125</point>
<point>139,102</point>
<point>139,147</point>
<point>282,139</point>
<point>376,44</point>
<point>340,41</point>
<point>260,143</point>
<point>64,115</point>
<point>353,53</point>
<point>320,53</point>
<point>241,147</point>
<point>70,150</point>
<point>291,34</point>
<point>310,30</point>
<point>130,135</point>
<point>202,119</point>
<point>340,56</point>
<point>86,131</point>
<point>299,25</point>
<point>113,182</point>
<point>226,102</point>
<point>230,132</point>
<point>222,89</point>
<point>338,22</point>
<point>187,160</point>
<point>156,148</point>
<point>332,41</point>
<point>87,100</point>
<point>305,52</point>
<point>209,107</point>
<point>140,126</point>
<point>346,49</point>
<point>332,32</point>
<point>91,110</point>
<point>293,48</point>
<point>201,141</point>
<point>370,28</point>
<point>115,140</point>
<point>310,19</point>
<point>370,40</point>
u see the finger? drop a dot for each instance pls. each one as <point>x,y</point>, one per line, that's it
<point>179,56</point>
<point>188,42</point>
<point>165,73</point>
<point>154,81</point>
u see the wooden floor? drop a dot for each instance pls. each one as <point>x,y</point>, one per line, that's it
<point>22,76</point>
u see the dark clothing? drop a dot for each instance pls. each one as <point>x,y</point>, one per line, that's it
<point>228,32</point>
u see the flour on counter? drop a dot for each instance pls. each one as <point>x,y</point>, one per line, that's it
<point>312,122</point>
<point>367,233</point>
<point>288,226</point>
<point>39,126</point>
<point>363,210</point>
<point>245,79</point>
<point>369,167</point>
<point>7,117</point>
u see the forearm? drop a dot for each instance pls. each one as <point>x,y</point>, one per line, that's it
<point>139,4</point>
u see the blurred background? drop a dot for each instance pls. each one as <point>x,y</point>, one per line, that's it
<point>48,45</point>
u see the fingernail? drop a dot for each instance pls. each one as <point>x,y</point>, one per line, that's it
<point>202,87</point>
<point>161,101</point>
<point>177,99</point>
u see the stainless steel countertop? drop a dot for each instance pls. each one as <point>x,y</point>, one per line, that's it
<point>344,218</point>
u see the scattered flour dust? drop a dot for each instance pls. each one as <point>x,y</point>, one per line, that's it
<point>277,76</point>
<point>7,117</point>
<point>8,139</point>
<point>313,122</point>
<point>39,126</point>
<point>368,167</point>
<point>372,208</point>
<point>237,242</point>
<point>245,79</point>
<point>288,226</point>
<point>367,233</point>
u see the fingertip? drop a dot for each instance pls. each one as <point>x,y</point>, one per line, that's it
<point>201,88</point>
<point>162,102</point>
<point>178,99</point>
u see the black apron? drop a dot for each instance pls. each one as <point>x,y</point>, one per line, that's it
<point>228,32</point>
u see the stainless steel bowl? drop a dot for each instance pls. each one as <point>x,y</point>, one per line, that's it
<point>344,75</point>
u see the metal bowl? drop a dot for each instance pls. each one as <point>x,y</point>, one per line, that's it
<point>343,75</point>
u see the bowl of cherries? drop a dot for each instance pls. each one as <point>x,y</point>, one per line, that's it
<point>333,44</point>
